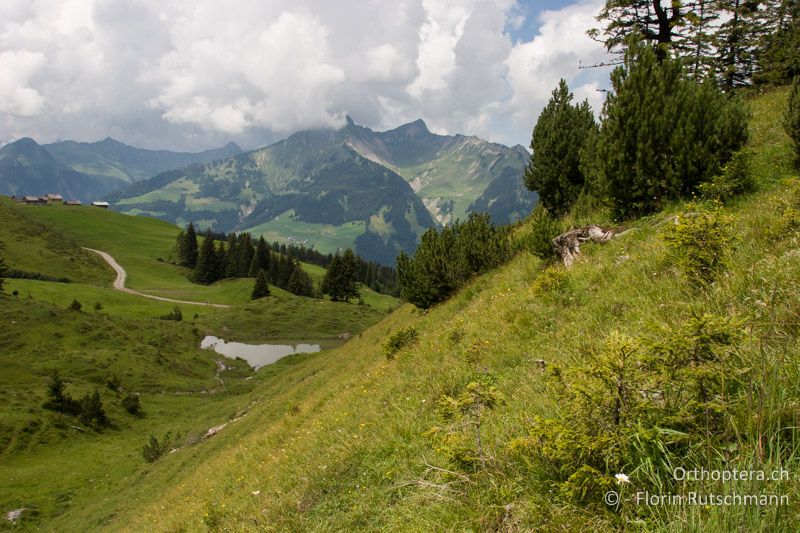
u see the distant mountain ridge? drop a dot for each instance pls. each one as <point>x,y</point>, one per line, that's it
<point>377,191</point>
<point>88,171</point>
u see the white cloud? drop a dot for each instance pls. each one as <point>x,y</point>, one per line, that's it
<point>17,68</point>
<point>188,74</point>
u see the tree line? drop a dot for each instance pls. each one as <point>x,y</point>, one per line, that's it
<point>240,255</point>
<point>236,256</point>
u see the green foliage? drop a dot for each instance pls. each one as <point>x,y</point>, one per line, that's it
<point>207,267</point>
<point>700,241</point>
<point>661,134</point>
<point>559,135</point>
<point>57,399</point>
<point>463,414</point>
<point>340,279</point>
<point>791,119</point>
<point>736,178</point>
<point>628,395</point>
<point>445,260</point>
<point>75,305</point>
<point>400,339</point>
<point>543,229</point>
<point>187,247</point>
<point>176,314</point>
<point>132,404</point>
<point>153,449</point>
<point>92,412</point>
<point>261,287</point>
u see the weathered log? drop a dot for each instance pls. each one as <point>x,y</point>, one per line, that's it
<point>568,245</point>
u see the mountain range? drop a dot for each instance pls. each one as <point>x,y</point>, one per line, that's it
<point>88,171</point>
<point>377,191</point>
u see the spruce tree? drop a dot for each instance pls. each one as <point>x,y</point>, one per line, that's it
<point>261,258</point>
<point>557,139</point>
<point>245,255</point>
<point>778,58</point>
<point>231,268</point>
<point>661,134</point>
<point>205,269</point>
<point>340,279</point>
<point>261,288</point>
<point>189,249</point>
<point>300,283</point>
<point>92,412</point>
<point>791,119</point>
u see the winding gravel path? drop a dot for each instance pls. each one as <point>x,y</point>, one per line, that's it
<point>119,283</point>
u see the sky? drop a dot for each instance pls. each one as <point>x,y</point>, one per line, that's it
<point>196,74</point>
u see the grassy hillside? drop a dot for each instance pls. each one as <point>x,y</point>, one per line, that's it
<point>342,441</point>
<point>58,468</point>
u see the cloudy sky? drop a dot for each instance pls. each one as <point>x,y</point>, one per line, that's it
<point>194,74</point>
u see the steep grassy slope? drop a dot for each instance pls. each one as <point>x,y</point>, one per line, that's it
<point>341,441</point>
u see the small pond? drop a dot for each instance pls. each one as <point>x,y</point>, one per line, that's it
<point>257,355</point>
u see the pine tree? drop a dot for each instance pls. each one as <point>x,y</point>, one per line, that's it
<point>92,412</point>
<point>559,134</point>
<point>661,134</point>
<point>261,288</point>
<point>261,258</point>
<point>244,256</point>
<point>220,260</point>
<point>791,119</point>
<point>340,279</point>
<point>778,58</point>
<point>189,249</point>
<point>204,271</point>
<point>738,39</point>
<point>231,269</point>
<point>300,283</point>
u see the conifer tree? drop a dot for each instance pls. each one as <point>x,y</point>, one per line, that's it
<point>244,256</point>
<point>300,283</point>
<point>189,249</point>
<point>778,58</point>
<point>559,134</point>
<point>205,269</point>
<point>792,117</point>
<point>92,412</point>
<point>231,268</point>
<point>261,288</point>
<point>340,279</point>
<point>261,258</point>
<point>661,134</point>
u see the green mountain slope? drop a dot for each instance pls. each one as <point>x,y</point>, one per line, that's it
<point>333,189</point>
<point>349,446</point>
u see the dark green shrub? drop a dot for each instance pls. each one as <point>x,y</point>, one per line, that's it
<point>153,449</point>
<point>131,404</point>
<point>75,305</point>
<point>92,412</point>
<point>98,306</point>
<point>113,383</point>
<point>175,315</point>
<point>400,339</point>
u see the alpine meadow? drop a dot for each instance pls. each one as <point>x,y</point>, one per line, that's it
<point>312,304</point>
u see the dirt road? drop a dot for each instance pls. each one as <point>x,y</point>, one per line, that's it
<point>119,283</point>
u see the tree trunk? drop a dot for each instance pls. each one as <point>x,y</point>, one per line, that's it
<point>568,245</point>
